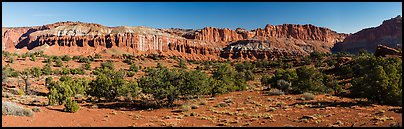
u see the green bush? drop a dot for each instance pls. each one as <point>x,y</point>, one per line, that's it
<point>163,84</point>
<point>128,61</point>
<point>134,68</point>
<point>245,66</point>
<point>58,62</point>
<point>181,64</point>
<point>130,74</point>
<point>3,75</point>
<point>46,70</point>
<point>71,106</point>
<point>65,71</point>
<point>130,89</point>
<point>66,58</point>
<point>108,64</point>
<point>97,56</point>
<point>107,83</point>
<point>309,80</point>
<point>376,78</point>
<point>76,57</point>
<point>84,60</point>
<point>86,66</point>
<point>11,60</point>
<point>66,88</point>
<point>280,74</point>
<point>229,77</point>
<point>35,71</point>
<point>32,58</point>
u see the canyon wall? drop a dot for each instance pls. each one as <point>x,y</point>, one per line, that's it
<point>389,33</point>
<point>207,43</point>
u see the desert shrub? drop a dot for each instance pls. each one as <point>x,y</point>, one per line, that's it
<point>84,60</point>
<point>97,56</point>
<point>332,84</point>
<point>376,78</point>
<point>265,80</point>
<point>48,81</point>
<point>134,68</point>
<point>56,72</point>
<point>9,108</point>
<point>66,88</point>
<point>131,89</point>
<point>32,58</point>
<point>46,69</point>
<point>3,75</point>
<point>86,66</point>
<point>65,71</point>
<point>162,83</point>
<point>280,74</point>
<point>308,96</point>
<point>108,64</point>
<point>168,85</point>
<point>66,58</point>
<point>107,83</point>
<point>287,65</point>
<point>331,62</point>
<point>154,56</point>
<point>77,71</point>
<point>76,57</point>
<point>316,56</point>
<point>71,106</point>
<point>48,60</point>
<point>185,107</point>
<point>11,60</point>
<point>128,61</point>
<point>36,109</point>
<point>130,74</point>
<point>275,91</point>
<point>229,77</point>
<point>194,83</point>
<point>283,85</point>
<point>35,71</point>
<point>246,65</point>
<point>181,64</point>
<point>309,80</point>
<point>247,75</point>
<point>58,62</point>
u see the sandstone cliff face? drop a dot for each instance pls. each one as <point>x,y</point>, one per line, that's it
<point>11,37</point>
<point>389,33</point>
<point>205,44</point>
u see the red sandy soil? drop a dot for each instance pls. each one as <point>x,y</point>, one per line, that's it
<point>346,111</point>
<point>244,110</point>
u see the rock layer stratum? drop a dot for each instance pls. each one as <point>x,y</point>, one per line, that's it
<point>204,44</point>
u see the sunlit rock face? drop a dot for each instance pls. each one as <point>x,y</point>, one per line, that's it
<point>204,44</point>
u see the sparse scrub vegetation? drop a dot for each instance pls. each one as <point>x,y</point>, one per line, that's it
<point>9,108</point>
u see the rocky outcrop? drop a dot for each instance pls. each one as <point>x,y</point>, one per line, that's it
<point>206,43</point>
<point>389,33</point>
<point>384,51</point>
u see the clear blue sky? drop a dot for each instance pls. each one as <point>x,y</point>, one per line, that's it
<point>345,17</point>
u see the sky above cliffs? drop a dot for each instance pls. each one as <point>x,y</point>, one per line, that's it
<point>343,17</point>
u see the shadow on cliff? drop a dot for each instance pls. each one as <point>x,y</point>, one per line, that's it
<point>24,40</point>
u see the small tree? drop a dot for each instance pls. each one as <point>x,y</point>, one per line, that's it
<point>3,75</point>
<point>134,68</point>
<point>25,76</point>
<point>66,58</point>
<point>58,62</point>
<point>182,64</point>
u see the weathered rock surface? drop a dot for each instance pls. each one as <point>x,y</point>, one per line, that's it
<point>384,51</point>
<point>206,43</point>
<point>389,33</point>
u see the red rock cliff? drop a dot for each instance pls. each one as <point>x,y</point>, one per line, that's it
<point>207,43</point>
<point>389,33</point>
